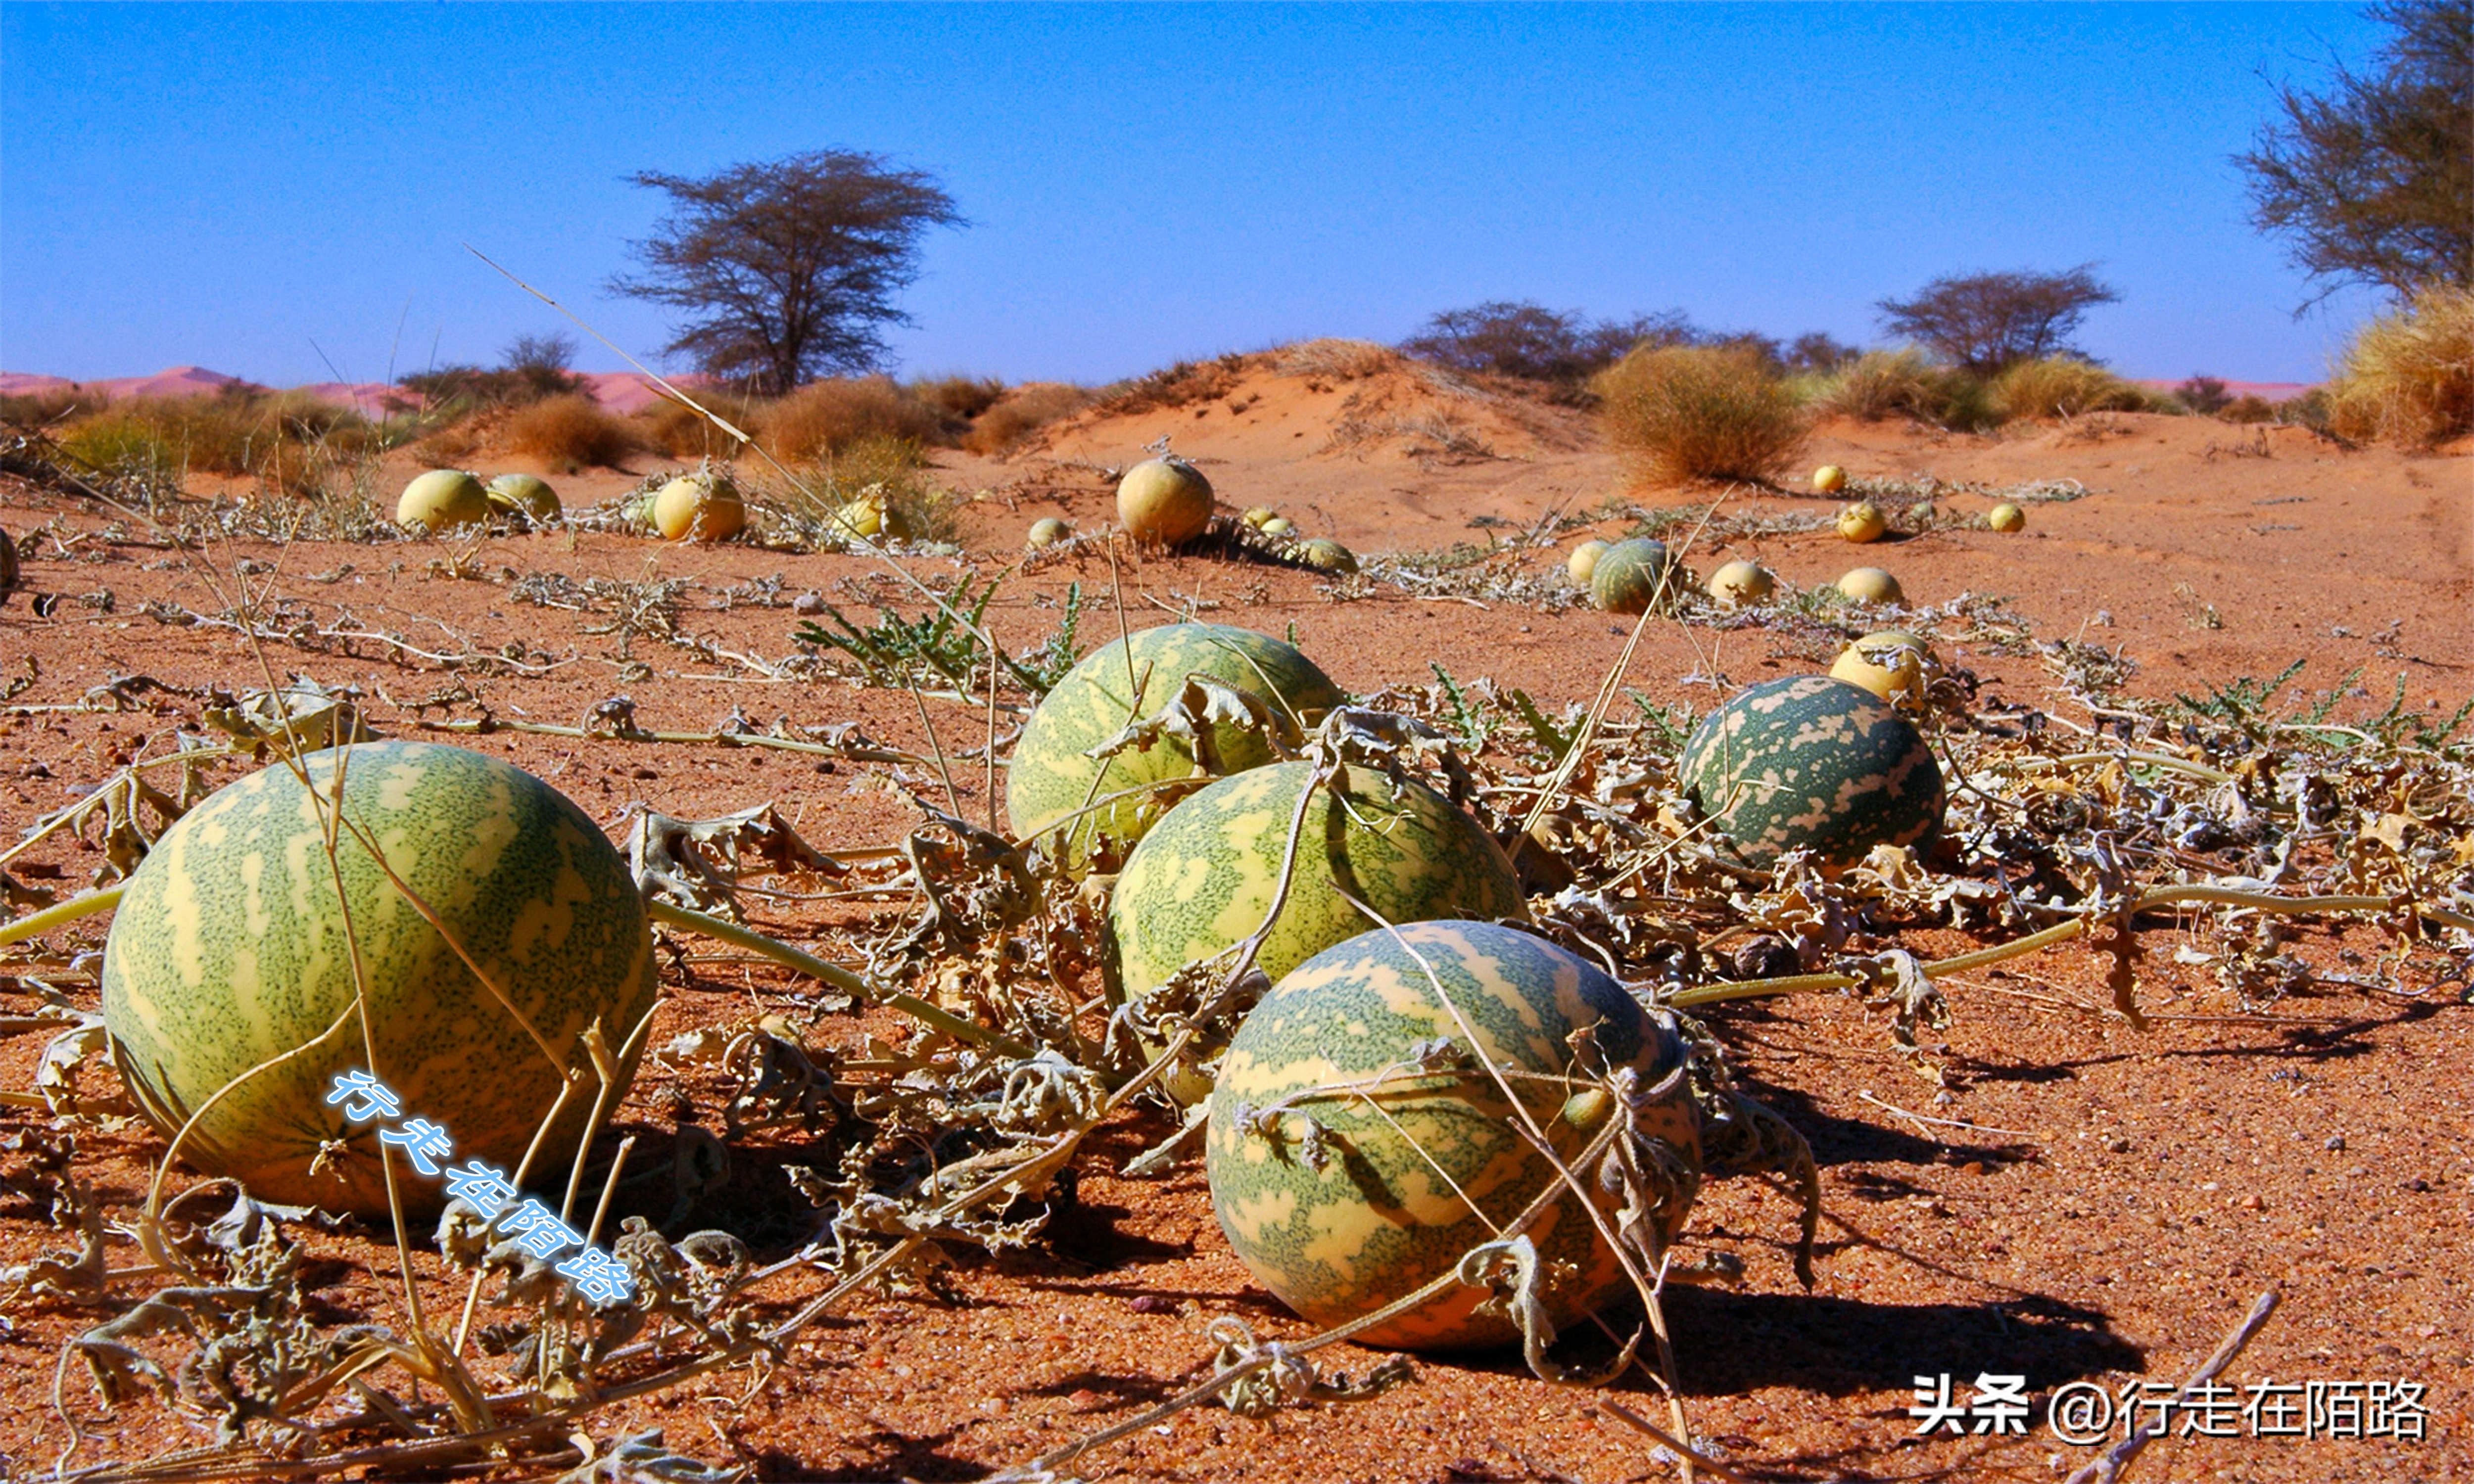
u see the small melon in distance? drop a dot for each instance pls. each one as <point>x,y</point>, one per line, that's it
<point>1742,583</point>
<point>1278,525</point>
<point>1862,522</point>
<point>1339,1238</point>
<point>1892,664</point>
<point>1811,763</point>
<point>1584,561</point>
<point>1051,776</point>
<point>1630,576</point>
<point>1164,501</point>
<point>700,507</point>
<point>1830,479</point>
<point>526,494</point>
<point>1871,585</point>
<point>1326,555</point>
<point>1257,514</point>
<point>1205,875</point>
<point>442,500</point>
<point>231,950</point>
<point>2006,517</point>
<point>1047,530</point>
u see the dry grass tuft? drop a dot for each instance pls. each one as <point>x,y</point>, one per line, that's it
<point>1700,414</point>
<point>678,431</point>
<point>2409,376</point>
<point>1341,360</point>
<point>284,441</point>
<point>826,416</point>
<point>1022,411</point>
<point>1883,384</point>
<point>571,431</point>
<point>958,398</point>
<point>2066,387</point>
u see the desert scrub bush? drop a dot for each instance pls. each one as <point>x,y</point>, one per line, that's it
<point>1022,411</point>
<point>678,431</point>
<point>883,471</point>
<point>1700,414</point>
<point>826,416</point>
<point>1883,384</point>
<point>958,399</point>
<point>2408,376</point>
<point>1340,360</point>
<point>571,431</point>
<point>287,441</point>
<point>1180,385</point>
<point>43,409</point>
<point>117,444</point>
<point>2063,385</point>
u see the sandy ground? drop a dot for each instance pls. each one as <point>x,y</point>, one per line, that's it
<point>2141,1190</point>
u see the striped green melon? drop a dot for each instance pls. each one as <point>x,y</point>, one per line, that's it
<point>1203,878</point>
<point>1406,1190</point>
<point>1051,777</point>
<point>1631,575</point>
<point>230,950</point>
<point>1811,763</point>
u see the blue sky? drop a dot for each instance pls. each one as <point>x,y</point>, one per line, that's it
<point>233,185</point>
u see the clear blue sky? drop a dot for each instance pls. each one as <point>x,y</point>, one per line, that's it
<point>227,184</point>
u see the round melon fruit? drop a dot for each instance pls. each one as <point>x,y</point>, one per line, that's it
<point>526,494</point>
<point>1205,874</point>
<point>1326,555</point>
<point>1830,479</point>
<point>1871,585</point>
<point>233,948</point>
<point>1811,763</point>
<point>1631,575</point>
<point>1742,583</point>
<point>1164,501</point>
<point>1442,1166</point>
<point>702,507</point>
<point>1257,514</point>
<point>1051,777</point>
<point>440,500</point>
<point>1892,664</point>
<point>1862,522</point>
<point>2006,517</point>
<point>1047,530</point>
<point>1277,525</point>
<point>1584,561</point>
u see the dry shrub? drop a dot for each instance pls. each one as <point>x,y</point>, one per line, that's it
<point>571,431</point>
<point>825,417</point>
<point>2065,386</point>
<point>449,447</point>
<point>678,431</point>
<point>2250,407</point>
<point>2409,376</point>
<point>1022,411</point>
<point>1689,413</point>
<point>1341,360</point>
<point>285,440</point>
<point>1883,384</point>
<point>43,409</point>
<point>1180,385</point>
<point>958,398</point>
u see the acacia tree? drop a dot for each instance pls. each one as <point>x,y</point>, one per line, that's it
<point>1989,321</point>
<point>2374,181</point>
<point>786,269</point>
<point>1527,340</point>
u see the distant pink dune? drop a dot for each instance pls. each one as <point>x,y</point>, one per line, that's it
<point>621,392</point>
<point>2264,390</point>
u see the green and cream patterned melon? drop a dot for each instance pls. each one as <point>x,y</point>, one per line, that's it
<point>1051,778</point>
<point>1204,878</point>
<point>1631,575</point>
<point>1382,1202</point>
<point>1811,763</point>
<point>231,949</point>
